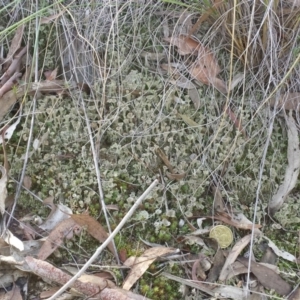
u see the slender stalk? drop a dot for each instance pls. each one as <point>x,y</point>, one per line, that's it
<point>109,239</point>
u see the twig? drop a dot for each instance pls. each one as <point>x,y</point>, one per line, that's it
<point>109,239</point>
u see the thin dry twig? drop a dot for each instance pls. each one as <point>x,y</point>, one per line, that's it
<point>105,244</point>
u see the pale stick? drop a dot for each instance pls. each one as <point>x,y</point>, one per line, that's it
<point>101,248</point>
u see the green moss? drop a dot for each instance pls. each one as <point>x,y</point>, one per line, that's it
<point>160,288</point>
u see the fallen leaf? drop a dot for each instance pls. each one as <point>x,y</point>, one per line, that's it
<point>195,97</point>
<point>219,205</point>
<point>97,280</point>
<point>269,255</point>
<point>139,265</point>
<point>14,66</point>
<point>200,266</point>
<point>295,295</point>
<point>230,292</point>
<point>64,229</point>
<point>11,129</point>
<point>94,228</point>
<point>205,67</point>
<point>285,255</point>
<point>58,213</point>
<point>183,82</point>
<point>236,121</point>
<point>15,45</point>
<point>8,85</point>
<point>292,169</point>
<point>267,277</point>
<point>224,217</point>
<point>120,294</point>
<point>28,230</point>
<point>205,15</point>
<point>243,221</point>
<point>3,190</point>
<point>219,84</point>
<point>234,253</point>
<point>188,120</point>
<point>51,75</point>
<point>13,294</point>
<point>218,262</point>
<point>164,158</point>
<point>287,101</point>
<point>237,268</point>
<point>199,72</point>
<point>175,176</point>
<point>47,20</point>
<point>236,80</point>
<point>27,182</point>
<point>185,45</point>
<point>12,240</point>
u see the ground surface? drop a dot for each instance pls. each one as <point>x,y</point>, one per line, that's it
<point>135,115</point>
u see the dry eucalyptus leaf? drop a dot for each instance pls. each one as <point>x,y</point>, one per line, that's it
<point>230,220</point>
<point>64,229</point>
<point>164,158</point>
<point>198,71</point>
<point>185,45</point>
<point>205,68</point>
<point>11,129</point>
<point>13,294</point>
<point>236,121</point>
<point>9,83</point>
<point>292,169</point>
<point>47,20</point>
<point>222,291</point>
<point>120,294</point>
<point>15,43</point>
<point>219,205</point>
<point>184,83</point>
<point>58,213</point>
<point>236,80</point>
<point>295,295</point>
<point>94,228</point>
<point>12,240</point>
<point>234,253</point>
<point>27,182</point>
<point>195,97</point>
<point>96,280</point>
<point>218,263</point>
<point>188,120</point>
<point>287,101</point>
<point>15,66</point>
<point>51,75</point>
<point>175,176</point>
<point>267,277</point>
<point>285,255</point>
<point>139,265</point>
<point>219,84</point>
<point>3,190</point>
